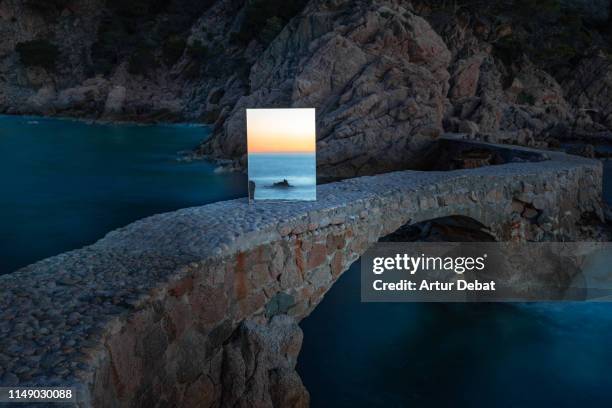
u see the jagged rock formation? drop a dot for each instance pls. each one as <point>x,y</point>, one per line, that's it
<point>259,367</point>
<point>591,90</point>
<point>376,72</point>
<point>385,73</point>
<point>508,75</point>
<point>386,76</point>
<point>113,60</point>
<point>255,368</point>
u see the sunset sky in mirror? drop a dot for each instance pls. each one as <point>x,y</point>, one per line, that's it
<point>281,130</point>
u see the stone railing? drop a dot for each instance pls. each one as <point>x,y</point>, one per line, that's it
<point>154,311</point>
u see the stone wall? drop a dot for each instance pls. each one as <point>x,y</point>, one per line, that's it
<point>198,307</point>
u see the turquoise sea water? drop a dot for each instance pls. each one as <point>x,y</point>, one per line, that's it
<point>299,169</point>
<point>65,184</point>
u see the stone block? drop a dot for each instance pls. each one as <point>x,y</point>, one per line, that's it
<point>181,287</point>
<point>317,256</point>
<point>280,303</point>
<point>209,305</point>
<point>337,264</point>
<point>259,275</point>
<point>251,304</point>
<point>335,241</point>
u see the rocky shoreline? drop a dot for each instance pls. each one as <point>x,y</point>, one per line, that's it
<point>388,78</point>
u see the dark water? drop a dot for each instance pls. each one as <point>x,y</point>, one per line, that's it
<point>456,355</point>
<point>299,169</point>
<point>65,184</point>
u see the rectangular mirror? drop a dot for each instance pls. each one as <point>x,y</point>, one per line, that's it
<point>282,154</point>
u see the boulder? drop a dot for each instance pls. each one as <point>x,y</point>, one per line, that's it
<point>590,90</point>
<point>468,127</point>
<point>465,77</point>
<point>91,92</point>
<point>115,100</point>
<point>259,366</point>
<point>41,101</point>
<point>535,88</point>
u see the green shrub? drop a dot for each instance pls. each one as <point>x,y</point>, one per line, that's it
<point>525,98</point>
<point>215,97</point>
<point>38,53</point>
<point>192,70</point>
<point>47,6</point>
<point>242,69</point>
<point>210,116</point>
<point>529,8</point>
<point>141,61</point>
<point>197,51</point>
<point>240,38</point>
<point>273,26</point>
<point>508,50</point>
<point>145,32</point>
<point>135,8</point>
<point>259,12</point>
<point>112,39</point>
<point>173,49</point>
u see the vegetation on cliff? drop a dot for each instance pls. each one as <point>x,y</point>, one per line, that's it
<point>264,19</point>
<point>148,33</point>
<point>553,34</point>
<point>47,7</point>
<point>37,53</point>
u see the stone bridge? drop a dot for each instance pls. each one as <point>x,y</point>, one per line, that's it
<point>152,314</point>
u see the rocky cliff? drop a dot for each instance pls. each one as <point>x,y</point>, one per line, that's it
<point>377,73</point>
<point>112,60</point>
<point>386,76</point>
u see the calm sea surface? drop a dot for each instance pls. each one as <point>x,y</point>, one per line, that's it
<point>65,184</point>
<point>299,169</point>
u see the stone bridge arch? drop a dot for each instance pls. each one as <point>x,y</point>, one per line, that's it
<point>148,311</point>
<point>453,228</point>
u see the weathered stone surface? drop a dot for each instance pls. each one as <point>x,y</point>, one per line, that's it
<point>259,363</point>
<point>382,75</point>
<point>160,310</point>
<point>115,100</point>
<point>465,77</point>
<point>166,93</point>
<point>590,90</point>
<point>376,72</point>
<point>468,127</point>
